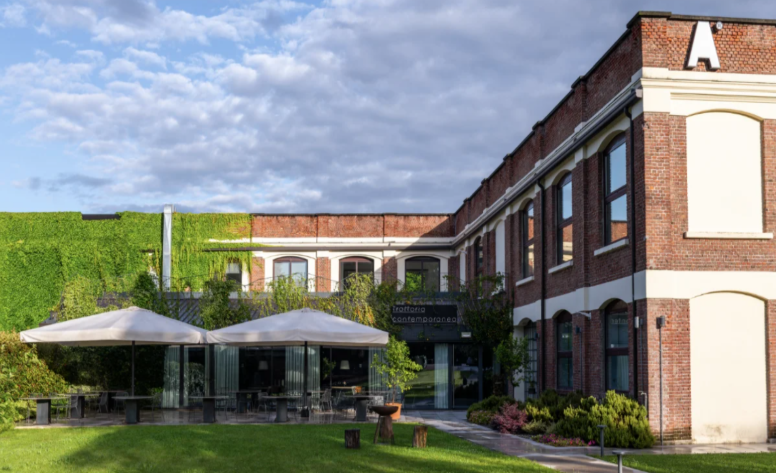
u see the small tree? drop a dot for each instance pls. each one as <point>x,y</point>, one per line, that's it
<point>397,369</point>
<point>512,354</point>
<point>215,307</point>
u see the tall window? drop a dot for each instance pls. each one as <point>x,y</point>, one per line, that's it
<point>234,272</point>
<point>527,240</point>
<point>353,266</point>
<point>615,199</point>
<point>291,267</point>
<point>565,225</point>
<point>563,339</point>
<point>531,386</point>
<point>479,256</point>
<point>422,273</point>
<point>616,315</point>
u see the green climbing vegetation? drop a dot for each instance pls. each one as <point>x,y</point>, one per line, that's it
<point>46,258</point>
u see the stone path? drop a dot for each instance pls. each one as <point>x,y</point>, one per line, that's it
<point>562,459</point>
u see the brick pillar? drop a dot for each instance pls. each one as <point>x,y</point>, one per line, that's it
<point>257,274</point>
<point>323,274</point>
<point>390,269</point>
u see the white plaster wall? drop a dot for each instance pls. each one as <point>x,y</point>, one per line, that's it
<point>724,188</point>
<point>462,266</point>
<point>501,260</point>
<point>728,369</point>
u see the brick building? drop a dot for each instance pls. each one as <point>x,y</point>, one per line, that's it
<point>647,194</point>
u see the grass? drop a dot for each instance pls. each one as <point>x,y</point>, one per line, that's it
<point>249,448</point>
<point>706,463</point>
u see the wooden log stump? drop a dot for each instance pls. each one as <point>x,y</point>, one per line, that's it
<point>353,438</point>
<point>384,430</point>
<point>419,436</point>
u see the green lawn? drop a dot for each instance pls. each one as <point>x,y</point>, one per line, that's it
<point>707,463</point>
<point>249,448</point>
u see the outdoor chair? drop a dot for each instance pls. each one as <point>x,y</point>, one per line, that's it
<point>326,401</point>
<point>245,405</point>
<point>119,404</point>
<point>58,404</point>
<point>225,405</point>
<point>155,405</point>
<point>102,404</point>
<point>293,407</point>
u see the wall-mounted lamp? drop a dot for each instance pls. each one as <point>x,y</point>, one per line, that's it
<point>345,365</point>
<point>263,365</point>
<point>578,330</point>
<point>466,335</point>
<point>586,314</point>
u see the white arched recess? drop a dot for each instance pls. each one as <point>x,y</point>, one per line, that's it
<point>269,264</point>
<point>443,256</point>
<point>519,391</point>
<point>724,173</point>
<point>335,258</point>
<point>728,368</point>
<point>501,249</point>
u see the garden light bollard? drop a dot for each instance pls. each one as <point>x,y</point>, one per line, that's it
<point>601,437</point>
<point>619,460</point>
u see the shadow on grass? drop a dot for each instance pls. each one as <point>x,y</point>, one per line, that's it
<point>275,449</point>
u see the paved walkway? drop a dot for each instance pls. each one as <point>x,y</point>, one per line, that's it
<point>562,459</point>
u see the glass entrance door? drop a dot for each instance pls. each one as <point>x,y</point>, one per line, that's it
<point>466,375</point>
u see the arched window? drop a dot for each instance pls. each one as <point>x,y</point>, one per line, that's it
<point>479,256</point>
<point>353,266</point>
<point>422,273</point>
<point>615,198</point>
<point>290,266</point>
<point>565,249</point>
<point>616,319</point>
<point>564,352</point>
<point>527,240</point>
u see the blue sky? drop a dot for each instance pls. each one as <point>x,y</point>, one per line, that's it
<point>284,106</point>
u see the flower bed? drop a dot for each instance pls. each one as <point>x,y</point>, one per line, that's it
<point>558,441</point>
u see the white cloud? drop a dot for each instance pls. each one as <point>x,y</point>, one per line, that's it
<point>146,57</point>
<point>13,15</point>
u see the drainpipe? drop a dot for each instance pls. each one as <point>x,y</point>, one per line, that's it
<point>167,245</point>
<point>543,285</point>
<point>636,330</point>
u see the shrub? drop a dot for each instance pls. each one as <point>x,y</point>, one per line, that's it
<point>510,420</point>
<point>22,374</point>
<point>625,419</point>
<point>554,403</point>
<point>558,441</point>
<point>535,427</point>
<point>492,404</point>
<point>540,414</point>
<point>481,417</point>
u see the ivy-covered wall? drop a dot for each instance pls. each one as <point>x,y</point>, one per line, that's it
<point>41,252</point>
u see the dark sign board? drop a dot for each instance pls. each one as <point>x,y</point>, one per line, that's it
<point>424,314</point>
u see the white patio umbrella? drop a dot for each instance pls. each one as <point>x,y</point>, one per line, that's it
<point>118,327</point>
<point>300,327</point>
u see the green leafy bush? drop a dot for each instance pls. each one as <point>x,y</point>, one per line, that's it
<point>625,419</point>
<point>481,417</point>
<point>535,427</point>
<point>492,404</point>
<point>22,374</point>
<point>553,403</point>
<point>539,414</point>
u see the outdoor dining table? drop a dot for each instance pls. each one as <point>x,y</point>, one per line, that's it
<point>77,411</point>
<point>131,407</point>
<point>281,403</point>
<point>242,398</point>
<point>209,406</point>
<point>361,403</point>
<point>42,409</point>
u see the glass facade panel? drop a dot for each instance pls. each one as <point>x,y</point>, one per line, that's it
<point>422,274</point>
<point>565,201</point>
<point>565,374</point>
<point>617,331</point>
<point>422,389</point>
<point>617,219</point>
<point>617,372</point>
<point>234,273</point>
<point>566,235</point>
<point>466,375</point>
<point>616,169</point>
<point>531,386</point>
<point>564,336</point>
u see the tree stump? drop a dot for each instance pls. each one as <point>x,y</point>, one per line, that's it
<point>384,430</point>
<point>353,438</point>
<point>419,436</point>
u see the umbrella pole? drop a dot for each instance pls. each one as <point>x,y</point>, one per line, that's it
<point>133,367</point>
<point>305,408</point>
